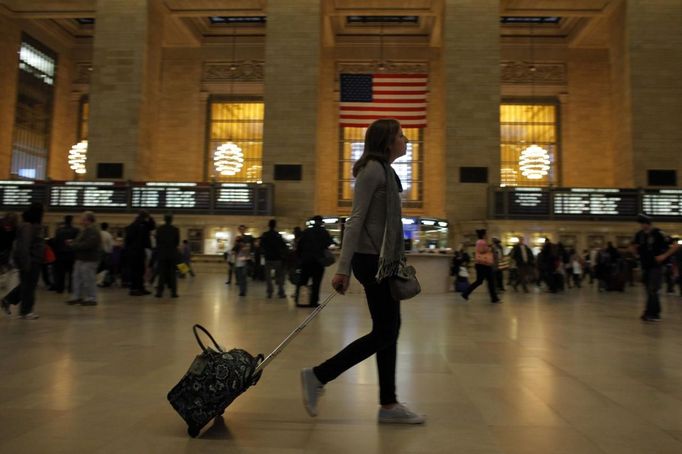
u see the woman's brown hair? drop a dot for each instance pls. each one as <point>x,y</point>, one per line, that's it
<point>378,140</point>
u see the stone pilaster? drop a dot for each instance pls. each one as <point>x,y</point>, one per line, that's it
<point>292,57</point>
<point>10,42</point>
<point>654,44</point>
<point>123,95</point>
<point>471,56</point>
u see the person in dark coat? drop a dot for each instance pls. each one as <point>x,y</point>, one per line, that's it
<point>311,246</point>
<point>65,257</point>
<point>525,261</point>
<point>28,254</point>
<point>137,241</point>
<point>274,250</point>
<point>167,255</point>
<point>8,233</point>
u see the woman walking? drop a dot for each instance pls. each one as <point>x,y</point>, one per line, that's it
<point>484,267</point>
<point>373,247</point>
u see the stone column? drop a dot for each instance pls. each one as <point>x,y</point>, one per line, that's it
<point>654,46</point>
<point>292,55</point>
<point>123,94</point>
<point>10,43</point>
<point>471,60</point>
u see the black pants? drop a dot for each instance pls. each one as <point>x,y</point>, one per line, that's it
<point>137,271</point>
<point>63,275</point>
<point>167,276</point>
<point>382,340</point>
<point>499,277</point>
<point>483,272</point>
<point>25,292</point>
<point>652,279</point>
<point>316,271</point>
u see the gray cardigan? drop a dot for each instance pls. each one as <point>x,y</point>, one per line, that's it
<point>88,244</point>
<point>364,230</point>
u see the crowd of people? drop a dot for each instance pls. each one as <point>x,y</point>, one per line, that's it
<point>79,259</point>
<point>657,258</point>
<point>83,256</point>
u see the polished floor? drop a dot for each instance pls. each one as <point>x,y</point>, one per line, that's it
<point>575,373</point>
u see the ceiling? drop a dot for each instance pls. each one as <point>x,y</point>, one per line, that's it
<point>582,22</point>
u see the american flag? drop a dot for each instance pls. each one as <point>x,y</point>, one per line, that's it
<point>369,97</point>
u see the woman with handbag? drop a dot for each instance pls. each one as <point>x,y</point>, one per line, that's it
<point>373,247</point>
<point>485,261</point>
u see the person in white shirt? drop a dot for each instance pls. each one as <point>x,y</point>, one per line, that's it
<point>105,262</point>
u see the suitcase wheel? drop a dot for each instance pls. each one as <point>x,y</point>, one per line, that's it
<point>193,431</point>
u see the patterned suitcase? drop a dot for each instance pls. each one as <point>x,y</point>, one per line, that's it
<point>213,381</point>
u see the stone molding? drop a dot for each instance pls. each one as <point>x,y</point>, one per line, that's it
<point>519,72</point>
<point>83,71</point>
<point>234,71</point>
<point>390,67</point>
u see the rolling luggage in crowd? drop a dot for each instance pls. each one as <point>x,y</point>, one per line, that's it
<point>217,377</point>
<point>616,278</point>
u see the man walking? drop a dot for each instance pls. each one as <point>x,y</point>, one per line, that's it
<point>87,249</point>
<point>167,242</point>
<point>314,240</point>
<point>653,250</point>
<point>63,266</point>
<point>137,241</point>
<point>274,248</point>
<point>525,261</point>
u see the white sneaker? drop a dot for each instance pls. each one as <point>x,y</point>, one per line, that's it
<point>312,388</point>
<point>30,316</point>
<point>400,414</point>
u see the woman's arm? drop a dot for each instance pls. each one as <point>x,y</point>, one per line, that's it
<point>366,183</point>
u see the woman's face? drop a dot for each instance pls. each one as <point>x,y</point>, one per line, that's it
<point>399,146</point>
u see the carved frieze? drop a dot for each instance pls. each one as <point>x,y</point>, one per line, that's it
<point>388,67</point>
<point>234,71</point>
<point>521,72</point>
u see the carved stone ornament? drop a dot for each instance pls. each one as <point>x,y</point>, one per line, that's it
<point>234,71</point>
<point>520,72</point>
<point>390,67</point>
<point>83,72</point>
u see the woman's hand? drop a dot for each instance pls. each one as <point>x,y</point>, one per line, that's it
<point>340,282</point>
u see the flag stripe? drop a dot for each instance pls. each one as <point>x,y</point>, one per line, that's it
<point>366,98</point>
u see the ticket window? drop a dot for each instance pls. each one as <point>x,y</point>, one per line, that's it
<point>433,233</point>
<point>195,239</point>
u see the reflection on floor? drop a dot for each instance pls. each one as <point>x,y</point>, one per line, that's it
<point>575,373</point>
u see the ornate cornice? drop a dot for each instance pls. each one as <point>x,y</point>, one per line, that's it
<point>520,72</point>
<point>388,67</point>
<point>233,71</point>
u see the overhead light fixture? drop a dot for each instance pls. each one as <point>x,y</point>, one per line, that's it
<point>534,162</point>
<point>228,159</point>
<point>78,154</point>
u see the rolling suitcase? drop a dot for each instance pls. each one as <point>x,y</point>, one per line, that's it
<point>217,377</point>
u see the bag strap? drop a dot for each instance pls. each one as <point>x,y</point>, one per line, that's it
<point>201,344</point>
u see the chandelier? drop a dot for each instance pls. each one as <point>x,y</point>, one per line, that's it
<point>534,162</point>
<point>228,159</point>
<point>78,154</point>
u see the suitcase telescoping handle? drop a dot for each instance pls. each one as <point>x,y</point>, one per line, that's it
<point>293,334</point>
<point>195,328</point>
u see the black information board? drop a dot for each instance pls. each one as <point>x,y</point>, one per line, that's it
<point>88,195</point>
<point>21,193</point>
<point>231,197</point>
<point>172,196</point>
<point>528,202</point>
<point>595,202</point>
<point>664,202</point>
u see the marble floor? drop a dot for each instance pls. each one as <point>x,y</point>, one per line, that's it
<point>575,373</point>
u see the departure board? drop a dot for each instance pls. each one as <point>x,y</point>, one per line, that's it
<point>21,193</point>
<point>171,196</point>
<point>665,202</point>
<point>595,202</point>
<point>233,197</point>
<point>528,202</point>
<point>88,195</point>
